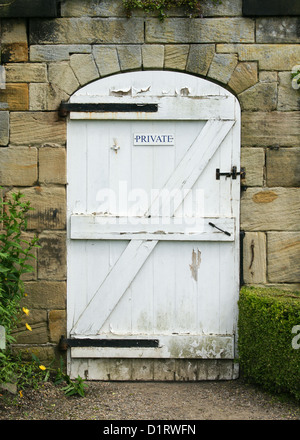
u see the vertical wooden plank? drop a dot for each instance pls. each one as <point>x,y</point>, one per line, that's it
<point>187,270</point>
<point>97,169</point>
<point>164,289</point>
<point>76,170</point>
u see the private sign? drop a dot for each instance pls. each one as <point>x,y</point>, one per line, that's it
<point>153,139</point>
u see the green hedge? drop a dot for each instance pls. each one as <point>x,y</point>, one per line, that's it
<point>268,342</point>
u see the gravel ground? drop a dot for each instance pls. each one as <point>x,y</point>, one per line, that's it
<point>213,400</point>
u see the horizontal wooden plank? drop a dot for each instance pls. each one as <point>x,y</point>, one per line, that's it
<point>169,108</point>
<point>97,227</point>
<point>170,346</point>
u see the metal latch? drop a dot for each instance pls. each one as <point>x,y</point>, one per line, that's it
<point>66,343</point>
<point>222,230</point>
<point>234,173</point>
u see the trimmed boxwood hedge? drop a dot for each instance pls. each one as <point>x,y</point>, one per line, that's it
<point>268,342</point>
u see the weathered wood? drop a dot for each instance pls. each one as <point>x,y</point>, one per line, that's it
<point>153,286</point>
<point>175,346</point>
<point>96,227</point>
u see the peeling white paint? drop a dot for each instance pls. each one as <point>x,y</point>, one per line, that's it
<point>194,267</point>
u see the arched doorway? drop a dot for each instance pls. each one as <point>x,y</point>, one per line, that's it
<point>153,224</point>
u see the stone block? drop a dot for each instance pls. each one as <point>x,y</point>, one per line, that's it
<point>176,56</point>
<point>32,128</point>
<point>103,8</point>
<point>57,324</point>
<point>130,57</point>
<point>267,76</point>
<point>87,30</point>
<point>255,258</point>
<point>49,206</point>
<point>45,353</point>
<point>32,261</point>
<point>270,56</point>
<point>52,256</point>
<point>14,46</point>
<point>45,96</point>
<point>199,58</point>
<point>107,60</point>
<point>153,56</point>
<point>45,295</point>
<point>4,128</point>
<point>62,76</point>
<point>222,67</point>
<point>84,67</point>
<point>202,30</point>
<point>52,165</point>
<point>283,167</point>
<point>271,129</point>
<point>226,8</point>
<point>253,160</point>
<point>26,73</point>
<point>61,53</point>
<point>284,257</point>
<point>273,209</point>
<point>277,30</point>
<point>288,98</point>
<point>18,166</point>
<point>243,77</point>
<point>260,97</point>
<point>37,319</point>
<point>16,96</point>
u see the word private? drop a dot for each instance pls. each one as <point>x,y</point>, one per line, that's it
<point>153,139</point>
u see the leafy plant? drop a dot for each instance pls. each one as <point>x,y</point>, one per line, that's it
<point>15,251</point>
<point>267,355</point>
<point>161,6</point>
<point>74,387</point>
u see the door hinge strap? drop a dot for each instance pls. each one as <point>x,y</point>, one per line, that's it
<point>66,107</point>
<point>222,230</point>
<point>65,343</point>
<point>233,173</point>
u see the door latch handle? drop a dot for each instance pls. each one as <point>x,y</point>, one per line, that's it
<point>222,230</point>
<point>233,173</point>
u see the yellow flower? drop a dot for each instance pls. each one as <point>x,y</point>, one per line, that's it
<point>26,311</point>
<point>42,367</point>
<point>28,327</point>
<point>21,393</point>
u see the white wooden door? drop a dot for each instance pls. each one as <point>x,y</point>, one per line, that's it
<point>153,235</point>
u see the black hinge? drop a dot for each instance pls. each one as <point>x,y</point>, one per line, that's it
<point>234,173</point>
<point>66,107</point>
<point>64,343</point>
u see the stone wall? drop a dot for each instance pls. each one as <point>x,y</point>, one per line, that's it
<point>47,60</point>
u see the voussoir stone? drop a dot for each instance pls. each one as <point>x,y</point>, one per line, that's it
<point>107,60</point>
<point>84,67</point>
